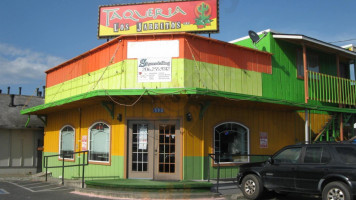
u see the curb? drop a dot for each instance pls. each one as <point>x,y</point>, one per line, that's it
<point>161,194</point>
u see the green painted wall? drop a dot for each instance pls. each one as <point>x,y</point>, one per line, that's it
<point>221,78</point>
<point>115,169</point>
<point>185,74</point>
<point>193,170</point>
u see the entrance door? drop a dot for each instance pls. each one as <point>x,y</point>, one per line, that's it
<point>154,150</point>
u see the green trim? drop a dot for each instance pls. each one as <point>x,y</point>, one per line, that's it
<point>44,119</point>
<point>28,121</point>
<point>111,110</point>
<point>177,91</point>
<point>203,108</point>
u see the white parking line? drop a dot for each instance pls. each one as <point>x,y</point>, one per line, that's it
<point>28,189</point>
<point>30,184</point>
<point>2,191</point>
<point>32,189</point>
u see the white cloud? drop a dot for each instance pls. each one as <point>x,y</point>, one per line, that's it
<point>20,66</point>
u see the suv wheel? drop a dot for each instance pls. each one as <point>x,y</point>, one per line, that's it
<point>251,186</point>
<point>336,191</point>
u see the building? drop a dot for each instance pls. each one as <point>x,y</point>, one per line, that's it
<point>155,106</point>
<point>21,139</point>
<point>330,87</point>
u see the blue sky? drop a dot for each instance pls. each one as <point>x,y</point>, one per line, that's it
<point>37,35</point>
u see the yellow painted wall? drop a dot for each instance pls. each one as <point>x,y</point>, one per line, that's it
<point>282,127</point>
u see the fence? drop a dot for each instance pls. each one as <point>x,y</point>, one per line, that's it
<point>63,156</point>
<point>247,158</point>
<point>331,89</point>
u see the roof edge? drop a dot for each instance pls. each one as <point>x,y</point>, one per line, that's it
<point>178,91</point>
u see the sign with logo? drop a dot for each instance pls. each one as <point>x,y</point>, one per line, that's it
<point>158,17</point>
<point>263,140</point>
<point>154,70</point>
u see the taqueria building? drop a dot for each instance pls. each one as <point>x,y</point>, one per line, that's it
<point>155,106</point>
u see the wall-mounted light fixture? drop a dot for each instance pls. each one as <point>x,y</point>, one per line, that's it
<point>119,117</point>
<point>189,116</point>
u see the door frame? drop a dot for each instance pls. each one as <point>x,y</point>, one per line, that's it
<point>129,120</point>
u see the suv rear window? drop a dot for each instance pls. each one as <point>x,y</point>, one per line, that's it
<point>316,155</point>
<point>347,154</point>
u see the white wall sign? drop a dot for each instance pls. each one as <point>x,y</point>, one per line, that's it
<point>153,49</point>
<point>142,138</point>
<point>154,70</point>
<point>263,140</point>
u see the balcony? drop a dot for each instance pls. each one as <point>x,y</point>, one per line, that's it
<point>331,89</point>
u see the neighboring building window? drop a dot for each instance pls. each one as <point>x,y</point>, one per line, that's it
<point>99,142</point>
<point>66,142</point>
<point>231,142</point>
<point>312,63</point>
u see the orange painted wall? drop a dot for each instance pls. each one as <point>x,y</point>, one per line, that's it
<point>203,49</point>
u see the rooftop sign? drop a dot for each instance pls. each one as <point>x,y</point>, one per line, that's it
<point>162,17</point>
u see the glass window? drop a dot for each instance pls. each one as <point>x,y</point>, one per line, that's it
<point>231,142</point>
<point>312,63</point>
<point>99,142</point>
<point>288,156</point>
<point>347,154</point>
<point>66,142</point>
<point>316,155</point>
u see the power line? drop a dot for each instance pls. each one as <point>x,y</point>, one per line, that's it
<point>343,40</point>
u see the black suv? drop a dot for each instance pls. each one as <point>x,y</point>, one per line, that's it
<point>328,169</point>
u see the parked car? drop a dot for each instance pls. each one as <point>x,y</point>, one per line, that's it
<point>326,169</point>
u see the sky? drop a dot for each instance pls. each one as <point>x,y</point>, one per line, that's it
<point>36,35</point>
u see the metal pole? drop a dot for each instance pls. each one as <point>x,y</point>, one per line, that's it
<point>217,184</point>
<point>62,168</point>
<point>306,127</point>
<point>209,167</point>
<point>83,169</point>
<point>46,163</point>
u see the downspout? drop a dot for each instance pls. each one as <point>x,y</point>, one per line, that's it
<point>306,93</point>
<point>203,145</point>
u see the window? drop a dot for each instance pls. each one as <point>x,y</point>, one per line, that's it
<point>231,142</point>
<point>66,142</point>
<point>288,156</point>
<point>316,155</point>
<point>312,63</point>
<point>99,142</point>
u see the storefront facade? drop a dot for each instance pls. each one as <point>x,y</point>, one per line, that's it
<point>155,107</point>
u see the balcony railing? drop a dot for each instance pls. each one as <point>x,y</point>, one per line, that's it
<point>331,89</point>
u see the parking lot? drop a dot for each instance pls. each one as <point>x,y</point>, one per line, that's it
<point>19,190</point>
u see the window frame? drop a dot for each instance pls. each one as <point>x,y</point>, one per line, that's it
<point>60,142</point>
<point>89,144</point>
<point>247,144</point>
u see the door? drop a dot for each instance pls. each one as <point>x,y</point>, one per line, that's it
<point>154,150</point>
<point>140,149</point>
<point>313,168</point>
<point>280,174</point>
<point>167,150</point>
